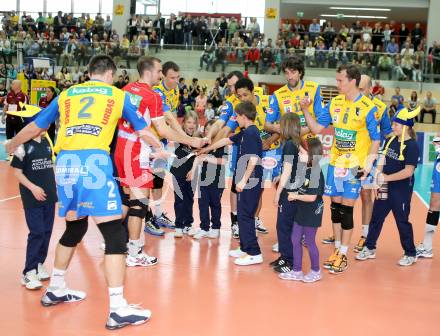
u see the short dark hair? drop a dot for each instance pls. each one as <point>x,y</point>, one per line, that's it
<point>169,66</point>
<point>352,72</point>
<point>146,63</point>
<point>244,83</point>
<point>247,109</point>
<point>293,63</point>
<point>100,64</point>
<point>235,73</point>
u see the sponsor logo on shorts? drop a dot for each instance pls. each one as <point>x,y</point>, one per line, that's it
<point>83,129</point>
<point>112,205</point>
<point>269,110</point>
<point>269,162</point>
<point>77,91</point>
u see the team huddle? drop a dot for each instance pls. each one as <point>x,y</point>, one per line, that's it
<point>114,152</point>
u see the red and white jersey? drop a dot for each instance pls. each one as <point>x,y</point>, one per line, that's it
<point>149,104</point>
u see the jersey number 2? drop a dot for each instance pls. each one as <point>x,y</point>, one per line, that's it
<point>89,101</point>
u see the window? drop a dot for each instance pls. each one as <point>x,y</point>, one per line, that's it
<point>107,8</point>
<point>86,6</point>
<point>53,6</point>
<point>31,7</point>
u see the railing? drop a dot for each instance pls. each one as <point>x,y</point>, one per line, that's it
<point>413,66</point>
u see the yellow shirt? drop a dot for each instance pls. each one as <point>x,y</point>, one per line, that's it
<point>355,128</point>
<point>170,98</point>
<point>88,115</point>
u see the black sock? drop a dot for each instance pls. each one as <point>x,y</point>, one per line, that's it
<point>149,215</point>
<point>233,218</point>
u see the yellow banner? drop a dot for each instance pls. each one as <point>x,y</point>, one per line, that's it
<point>119,9</point>
<point>38,89</point>
<point>24,82</point>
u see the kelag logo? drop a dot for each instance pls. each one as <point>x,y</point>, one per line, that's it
<point>342,134</point>
<point>77,91</point>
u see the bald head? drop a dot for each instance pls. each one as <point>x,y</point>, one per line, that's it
<point>16,85</point>
<point>365,85</point>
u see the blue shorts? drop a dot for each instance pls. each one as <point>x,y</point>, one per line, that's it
<point>345,184</point>
<point>271,162</point>
<point>85,184</point>
<point>435,184</point>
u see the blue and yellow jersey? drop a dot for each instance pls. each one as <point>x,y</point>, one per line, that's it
<point>228,108</point>
<point>382,117</point>
<point>169,97</point>
<point>355,128</point>
<point>260,121</point>
<point>89,114</point>
<point>284,100</point>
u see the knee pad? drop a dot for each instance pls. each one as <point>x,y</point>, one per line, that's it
<point>432,217</point>
<point>74,233</point>
<point>335,212</point>
<point>346,217</point>
<point>114,237</point>
<point>125,199</point>
<point>134,211</point>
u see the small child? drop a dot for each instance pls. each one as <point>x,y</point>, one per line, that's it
<point>401,155</point>
<point>212,184</point>
<point>308,216</point>
<point>183,190</point>
<point>209,112</point>
<point>248,180</point>
<point>33,167</point>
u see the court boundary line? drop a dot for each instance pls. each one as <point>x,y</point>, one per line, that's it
<point>421,199</point>
<point>9,198</point>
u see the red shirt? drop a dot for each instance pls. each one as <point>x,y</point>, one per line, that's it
<point>44,102</point>
<point>149,104</point>
<point>14,99</point>
<point>253,55</point>
<point>378,90</point>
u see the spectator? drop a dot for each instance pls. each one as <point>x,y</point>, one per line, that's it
<point>120,83</point>
<point>108,25</point>
<point>267,60</point>
<point>403,33</point>
<point>377,35</point>
<point>13,99</point>
<point>209,112</point>
<point>393,47</point>
<point>378,90</point>
<point>220,57</point>
<point>194,89</point>
<point>201,103</point>
<point>321,54</point>
<point>413,101</point>
<point>428,107</point>
<point>188,28</point>
<point>407,49</point>
<point>68,54</point>
<point>398,97</point>
<point>385,63</point>
<point>310,54</point>
<point>252,58</point>
<point>314,30</point>
<point>186,103</point>
<point>206,58</point>
<point>215,98</point>
<point>253,28</point>
<point>76,75</point>
<point>182,85</point>
<point>394,107</point>
<point>398,70</point>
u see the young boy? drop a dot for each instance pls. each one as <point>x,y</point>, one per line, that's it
<point>209,112</point>
<point>248,179</point>
<point>33,167</point>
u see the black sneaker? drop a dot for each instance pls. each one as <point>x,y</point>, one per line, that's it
<point>278,262</point>
<point>286,268</point>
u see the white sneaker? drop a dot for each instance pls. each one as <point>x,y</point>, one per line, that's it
<point>30,280</point>
<point>365,254</point>
<point>237,253</point>
<point>422,252</point>
<point>127,315</point>
<point>249,260</point>
<point>54,296</point>
<point>214,233</point>
<point>407,260</point>
<point>201,234</point>
<point>275,248</point>
<point>178,233</point>
<point>259,227</point>
<point>189,231</point>
<point>142,259</point>
<point>42,273</point>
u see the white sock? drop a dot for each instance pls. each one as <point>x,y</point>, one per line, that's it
<point>337,243</point>
<point>429,234</point>
<point>57,278</point>
<point>365,230</point>
<point>158,209</point>
<point>343,249</point>
<point>116,297</point>
<point>133,247</point>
